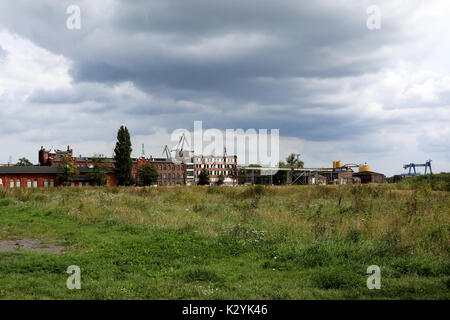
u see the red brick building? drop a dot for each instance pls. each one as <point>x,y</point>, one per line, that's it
<point>37,176</point>
<point>170,173</point>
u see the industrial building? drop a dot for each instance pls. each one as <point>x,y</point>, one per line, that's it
<point>216,166</point>
<point>338,174</point>
<point>36,176</point>
<point>171,171</point>
<point>184,168</point>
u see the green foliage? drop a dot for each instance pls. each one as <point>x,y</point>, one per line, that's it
<point>147,174</point>
<point>337,278</point>
<point>243,178</point>
<point>221,180</point>
<point>122,157</point>
<point>24,162</point>
<point>67,170</point>
<point>436,182</point>
<point>203,178</point>
<point>293,161</point>
<point>98,174</point>
<point>296,242</point>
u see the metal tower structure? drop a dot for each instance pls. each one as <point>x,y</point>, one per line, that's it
<point>167,153</point>
<point>179,148</point>
<point>412,166</point>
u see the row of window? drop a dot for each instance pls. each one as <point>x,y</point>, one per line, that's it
<point>165,176</point>
<point>216,166</point>
<point>217,172</point>
<point>170,167</point>
<point>15,183</point>
<point>199,160</point>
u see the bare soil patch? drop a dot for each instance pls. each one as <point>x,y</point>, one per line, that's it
<point>37,245</point>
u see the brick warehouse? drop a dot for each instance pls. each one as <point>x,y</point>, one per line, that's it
<point>45,174</point>
<point>36,176</point>
<point>170,173</point>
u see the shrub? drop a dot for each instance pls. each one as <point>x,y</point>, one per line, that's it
<point>337,278</point>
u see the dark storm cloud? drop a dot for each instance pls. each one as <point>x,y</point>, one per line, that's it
<point>239,64</point>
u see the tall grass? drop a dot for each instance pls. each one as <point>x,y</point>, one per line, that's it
<point>223,236</point>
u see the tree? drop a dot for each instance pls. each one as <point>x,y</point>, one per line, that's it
<point>24,162</point>
<point>221,180</point>
<point>243,176</point>
<point>147,174</point>
<point>122,157</point>
<point>98,174</point>
<point>67,170</point>
<point>293,161</point>
<point>203,178</point>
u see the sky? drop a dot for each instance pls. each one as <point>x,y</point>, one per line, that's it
<point>335,89</point>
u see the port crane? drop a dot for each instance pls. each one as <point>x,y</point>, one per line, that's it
<point>412,166</point>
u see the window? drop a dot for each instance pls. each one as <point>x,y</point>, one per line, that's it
<point>72,184</point>
<point>29,183</point>
<point>52,183</point>
<point>45,183</point>
<point>87,184</point>
<point>80,184</point>
<point>35,183</point>
<point>18,183</point>
<point>11,183</point>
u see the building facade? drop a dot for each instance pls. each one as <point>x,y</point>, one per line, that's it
<point>217,166</point>
<point>171,172</point>
<point>370,177</point>
<point>37,176</point>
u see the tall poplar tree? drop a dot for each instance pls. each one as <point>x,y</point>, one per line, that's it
<point>122,157</point>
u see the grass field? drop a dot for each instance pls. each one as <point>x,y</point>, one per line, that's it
<point>299,242</point>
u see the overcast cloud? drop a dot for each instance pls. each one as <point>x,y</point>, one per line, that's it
<point>336,90</point>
